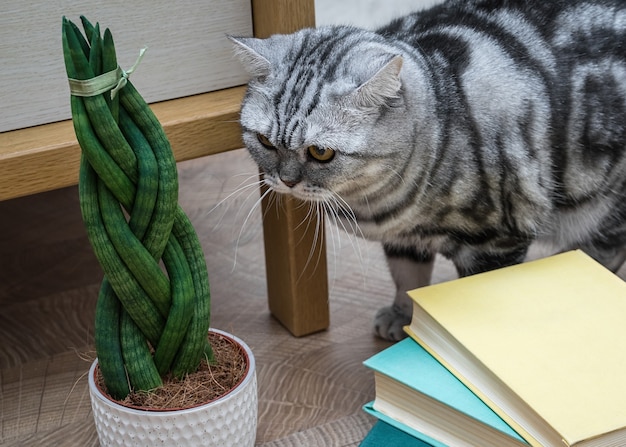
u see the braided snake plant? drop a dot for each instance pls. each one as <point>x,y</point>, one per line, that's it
<point>153,309</point>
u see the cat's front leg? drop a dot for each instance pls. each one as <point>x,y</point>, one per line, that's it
<point>410,268</point>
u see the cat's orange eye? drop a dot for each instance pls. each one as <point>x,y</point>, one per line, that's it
<point>265,141</point>
<point>322,154</point>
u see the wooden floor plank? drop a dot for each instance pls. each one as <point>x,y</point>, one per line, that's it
<point>44,396</point>
<point>71,435</point>
<point>36,328</point>
<point>345,432</point>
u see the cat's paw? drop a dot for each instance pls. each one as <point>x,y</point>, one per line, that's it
<point>389,323</point>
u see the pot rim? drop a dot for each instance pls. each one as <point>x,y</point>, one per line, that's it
<point>247,377</point>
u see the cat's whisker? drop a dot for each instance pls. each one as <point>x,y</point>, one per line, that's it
<point>396,173</point>
<point>320,214</point>
<point>244,185</point>
<point>233,197</point>
<point>331,214</point>
<point>312,217</point>
<point>251,193</point>
<point>275,201</point>
<point>251,190</point>
<point>256,204</point>
<point>324,216</point>
<point>335,232</point>
<point>308,217</point>
<point>349,215</point>
<point>352,230</point>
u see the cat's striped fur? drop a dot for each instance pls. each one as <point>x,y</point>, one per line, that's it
<point>470,129</point>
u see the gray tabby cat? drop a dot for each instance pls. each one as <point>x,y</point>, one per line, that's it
<point>470,129</point>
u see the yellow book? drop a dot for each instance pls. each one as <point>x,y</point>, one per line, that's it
<point>542,343</point>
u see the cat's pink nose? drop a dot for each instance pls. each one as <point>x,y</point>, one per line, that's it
<point>289,183</point>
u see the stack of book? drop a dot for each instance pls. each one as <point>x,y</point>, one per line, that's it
<point>533,354</point>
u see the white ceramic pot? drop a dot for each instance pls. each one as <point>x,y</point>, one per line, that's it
<point>228,421</point>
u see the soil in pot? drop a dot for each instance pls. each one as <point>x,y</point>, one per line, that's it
<point>209,382</point>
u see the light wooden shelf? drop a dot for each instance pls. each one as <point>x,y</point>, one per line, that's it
<point>47,157</point>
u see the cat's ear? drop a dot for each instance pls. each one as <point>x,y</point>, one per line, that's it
<point>248,50</point>
<point>383,87</point>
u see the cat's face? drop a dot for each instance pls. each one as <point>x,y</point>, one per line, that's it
<point>308,155</point>
<point>313,128</point>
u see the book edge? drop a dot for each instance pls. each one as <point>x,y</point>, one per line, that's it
<point>378,365</point>
<point>495,406</point>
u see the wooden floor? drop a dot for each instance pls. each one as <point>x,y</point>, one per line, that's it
<point>311,389</point>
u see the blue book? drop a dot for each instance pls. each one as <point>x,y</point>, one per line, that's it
<point>418,395</point>
<point>410,433</point>
<point>386,435</point>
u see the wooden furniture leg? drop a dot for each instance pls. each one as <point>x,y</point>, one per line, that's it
<point>295,259</point>
<point>295,248</point>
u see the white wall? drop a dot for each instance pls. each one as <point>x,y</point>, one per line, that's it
<point>188,52</point>
<point>365,13</point>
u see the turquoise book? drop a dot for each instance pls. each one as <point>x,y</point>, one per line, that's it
<point>418,395</point>
<point>383,434</point>
<point>410,435</point>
